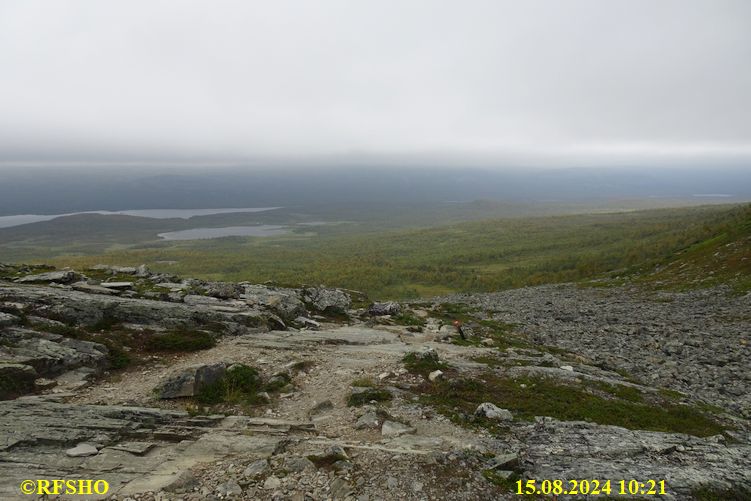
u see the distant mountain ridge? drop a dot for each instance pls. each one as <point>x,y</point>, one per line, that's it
<point>58,191</point>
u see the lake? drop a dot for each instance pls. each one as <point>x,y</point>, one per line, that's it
<point>262,230</point>
<point>8,221</point>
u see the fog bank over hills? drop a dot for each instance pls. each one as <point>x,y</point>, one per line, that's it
<point>41,191</point>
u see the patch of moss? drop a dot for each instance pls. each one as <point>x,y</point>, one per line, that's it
<point>106,323</point>
<point>618,390</point>
<point>527,397</point>
<point>417,364</point>
<point>367,396</point>
<point>706,493</point>
<point>408,319</point>
<point>505,483</point>
<point>116,355</point>
<point>12,387</point>
<point>240,384</point>
<point>180,341</point>
<point>364,382</point>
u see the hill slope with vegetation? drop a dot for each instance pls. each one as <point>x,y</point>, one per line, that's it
<point>474,256</point>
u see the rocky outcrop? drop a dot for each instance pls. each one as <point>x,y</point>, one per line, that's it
<point>49,354</point>
<point>283,302</point>
<point>80,308</point>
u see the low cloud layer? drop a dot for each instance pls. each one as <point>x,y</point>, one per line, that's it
<point>582,82</point>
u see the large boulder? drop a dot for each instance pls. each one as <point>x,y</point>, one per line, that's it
<point>283,302</point>
<point>190,381</point>
<point>327,300</point>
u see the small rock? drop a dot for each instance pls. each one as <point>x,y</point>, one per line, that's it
<point>567,368</point>
<point>272,483</point>
<point>320,407</point>
<point>491,411</point>
<point>487,342</point>
<point>229,488</point>
<point>369,420</point>
<point>437,374</point>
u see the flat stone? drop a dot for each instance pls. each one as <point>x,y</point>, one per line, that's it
<point>117,285</point>
<point>256,468</point>
<point>61,277</point>
<point>138,448</point>
<point>82,450</point>
<point>92,289</point>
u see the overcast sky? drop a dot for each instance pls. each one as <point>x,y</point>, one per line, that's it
<point>523,82</point>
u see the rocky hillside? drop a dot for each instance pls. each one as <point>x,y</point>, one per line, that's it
<point>171,388</point>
